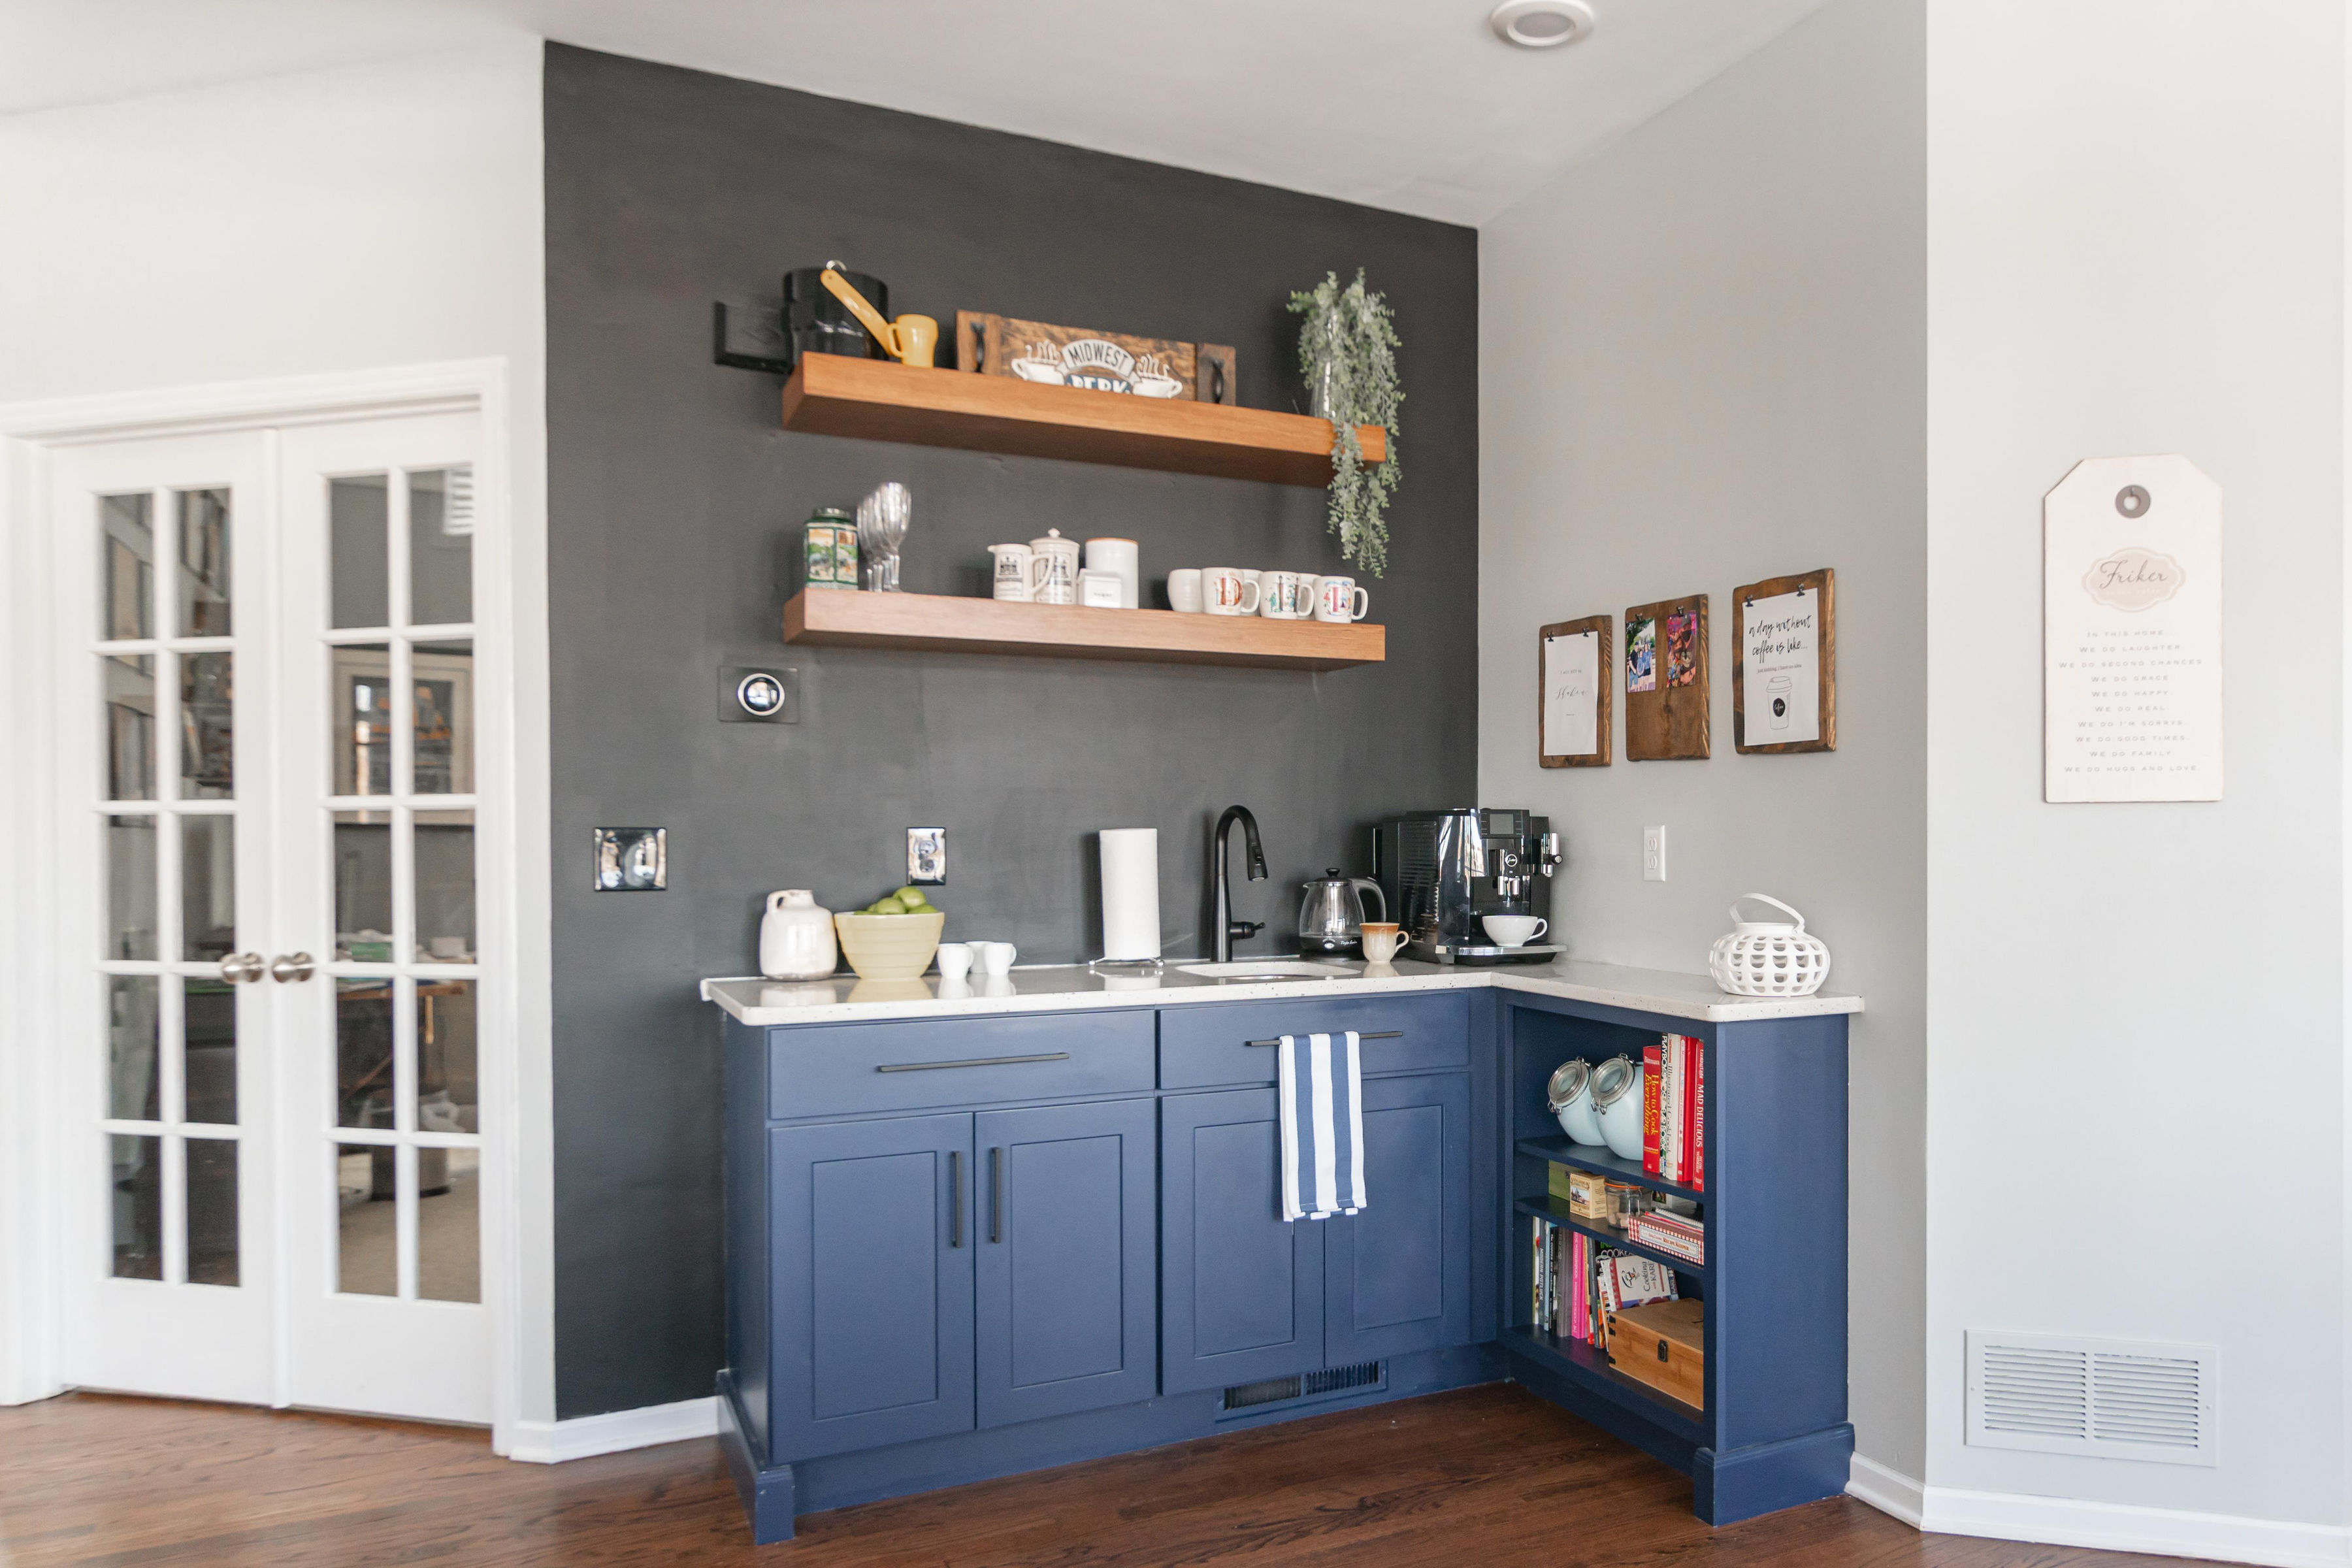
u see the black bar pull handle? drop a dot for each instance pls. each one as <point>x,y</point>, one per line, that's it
<point>997,1195</point>
<point>1367,1035</point>
<point>975,1062</point>
<point>955,1197</point>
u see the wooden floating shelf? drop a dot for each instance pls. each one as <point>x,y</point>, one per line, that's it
<point>839,617</point>
<point>877,400</point>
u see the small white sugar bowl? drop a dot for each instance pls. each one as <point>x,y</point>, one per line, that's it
<point>1768,958</point>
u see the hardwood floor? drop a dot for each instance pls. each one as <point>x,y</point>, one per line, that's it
<point>1488,1475</point>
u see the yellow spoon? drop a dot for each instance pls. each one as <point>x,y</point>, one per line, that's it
<point>910,340</point>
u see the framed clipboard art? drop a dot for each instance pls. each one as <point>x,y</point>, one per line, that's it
<point>1784,685</point>
<point>1576,678</point>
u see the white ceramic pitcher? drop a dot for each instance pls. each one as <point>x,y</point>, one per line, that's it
<point>796,941</point>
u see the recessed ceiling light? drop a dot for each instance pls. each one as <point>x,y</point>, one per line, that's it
<point>1541,23</point>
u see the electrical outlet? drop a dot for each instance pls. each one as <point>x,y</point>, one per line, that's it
<point>1654,854</point>
<point>927,855</point>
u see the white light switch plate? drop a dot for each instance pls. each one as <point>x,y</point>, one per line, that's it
<point>1654,854</point>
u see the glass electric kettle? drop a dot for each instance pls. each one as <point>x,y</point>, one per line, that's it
<point>1332,915</point>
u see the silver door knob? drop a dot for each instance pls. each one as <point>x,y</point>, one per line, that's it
<point>241,966</point>
<point>292,966</point>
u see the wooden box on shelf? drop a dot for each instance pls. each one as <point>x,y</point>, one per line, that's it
<point>1664,1344</point>
<point>934,623</point>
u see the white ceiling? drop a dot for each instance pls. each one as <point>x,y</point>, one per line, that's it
<point>1412,105</point>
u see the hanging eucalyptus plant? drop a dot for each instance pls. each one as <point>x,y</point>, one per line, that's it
<point>1346,352</point>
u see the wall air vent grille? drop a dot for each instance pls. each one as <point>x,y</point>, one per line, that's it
<point>1280,1390</point>
<point>2114,1399</point>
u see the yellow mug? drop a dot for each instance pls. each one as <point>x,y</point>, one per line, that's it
<point>910,340</point>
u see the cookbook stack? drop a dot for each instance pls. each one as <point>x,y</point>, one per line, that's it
<point>1674,1110</point>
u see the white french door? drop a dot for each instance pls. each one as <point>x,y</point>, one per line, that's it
<point>280,1193</point>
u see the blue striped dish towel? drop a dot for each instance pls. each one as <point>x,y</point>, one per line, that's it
<point>1322,1089</point>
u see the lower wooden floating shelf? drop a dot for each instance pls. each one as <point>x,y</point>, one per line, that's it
<point>931,623</point>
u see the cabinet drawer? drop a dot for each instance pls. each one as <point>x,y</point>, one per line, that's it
<point>1209,1046</point>
<point>846,1068</point>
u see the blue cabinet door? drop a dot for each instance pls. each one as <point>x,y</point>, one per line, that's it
<point>1241,1292</point>
<point>1065,1257</point>
<point>871,1302</point>
<point>1400,1269</point>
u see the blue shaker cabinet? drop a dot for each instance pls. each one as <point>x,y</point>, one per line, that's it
<point>1398,1275</point>
<point>1242,1295</point>
<point>1068,1273</point>
<point>872,1283</point>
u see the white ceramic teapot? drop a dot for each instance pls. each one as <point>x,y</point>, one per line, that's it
<point>796,941</point>
<point>1768,958</point>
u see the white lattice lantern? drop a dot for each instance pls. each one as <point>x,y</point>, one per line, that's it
<point>1768,958</point>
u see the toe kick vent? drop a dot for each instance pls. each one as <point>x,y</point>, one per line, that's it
<point>1307,1385</point>
<point>2112,1399</point>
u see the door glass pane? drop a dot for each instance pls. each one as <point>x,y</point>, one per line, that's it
<point>129,887</point>
<point>367,1258</point>
<point>207,887</point>
<point>444,845</point>
<point>362,712</point>
<point>207,760</point>
<point>440,546</point>
<point>133,1085</point>
<point>129,684</point>
<point>363,1053</point>
<point>208,1064</point>
<point>212,1211</point>
<point>127,572</point>
<point>447,1095</point>
<point>362,560</point>
<point>363,887</point>
<point>448,1224</point>
<point>203,599</point>
<point>137,1175</point>
<point>443,676</point>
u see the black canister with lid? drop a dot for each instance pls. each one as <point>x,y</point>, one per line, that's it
<point>816,322</point>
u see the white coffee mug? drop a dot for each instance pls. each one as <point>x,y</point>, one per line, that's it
<point>1515,930</point>
<point>1338,599</point>
<point>955,960</point>
<point>1011,572</point>
<point>1225,592</point>
<point>1184,590</point>
<point>1120,558</point>
<point>995,958</point>
<point>1286,595</point>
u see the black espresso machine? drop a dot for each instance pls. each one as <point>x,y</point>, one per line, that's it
<point>1442,872</point>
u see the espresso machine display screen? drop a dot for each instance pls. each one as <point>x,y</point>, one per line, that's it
<point>1444,871</point>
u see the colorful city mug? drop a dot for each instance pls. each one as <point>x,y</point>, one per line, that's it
<point>1286,595</point>
<point>1225,592</point>
<point>1338,599</point>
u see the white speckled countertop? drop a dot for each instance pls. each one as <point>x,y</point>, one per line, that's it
<point>1055,988</point>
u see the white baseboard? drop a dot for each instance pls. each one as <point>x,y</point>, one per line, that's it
<point>552,1442</point>
<point>2114,1527</point>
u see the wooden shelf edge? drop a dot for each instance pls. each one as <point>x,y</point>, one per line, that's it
<point>933,623</point>
<point>832,395</point>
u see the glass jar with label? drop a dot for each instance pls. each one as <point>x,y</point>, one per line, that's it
<point>829,548</point>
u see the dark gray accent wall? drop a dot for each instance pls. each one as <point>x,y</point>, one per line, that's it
<point>674,504</point>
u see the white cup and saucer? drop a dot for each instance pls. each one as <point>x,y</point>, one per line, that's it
<point>1515,930</point>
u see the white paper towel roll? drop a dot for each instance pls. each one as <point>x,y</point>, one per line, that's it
<point>1130,892</point>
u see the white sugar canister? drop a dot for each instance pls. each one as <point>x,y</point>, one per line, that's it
<point>1768,958</point>
<point>796,940</point>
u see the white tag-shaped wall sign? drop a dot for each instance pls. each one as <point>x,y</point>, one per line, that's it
<point>2131,632</point>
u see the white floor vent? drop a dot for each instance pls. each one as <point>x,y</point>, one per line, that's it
<point>2110,1399</point>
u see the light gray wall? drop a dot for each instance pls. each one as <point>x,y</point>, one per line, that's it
<point>1702,362</point>
<point>2135,244</point>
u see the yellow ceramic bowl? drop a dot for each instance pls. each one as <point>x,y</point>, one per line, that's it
<point>889,947</point>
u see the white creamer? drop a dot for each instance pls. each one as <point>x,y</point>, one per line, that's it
<point>796,941</point>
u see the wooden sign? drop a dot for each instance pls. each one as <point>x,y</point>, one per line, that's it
<point>1784,682</point>
<point>1665,681</point>
<point>1105,362</point>
<point>1575,679</point>
<point>2131,633</point>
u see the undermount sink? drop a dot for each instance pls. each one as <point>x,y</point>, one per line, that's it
<point>1269,969</point>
